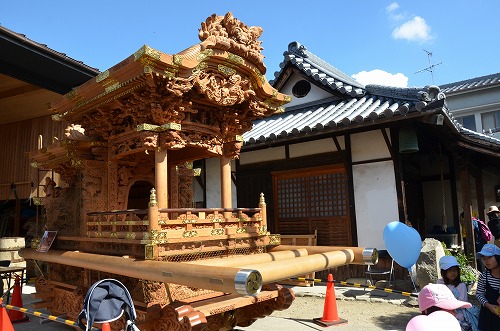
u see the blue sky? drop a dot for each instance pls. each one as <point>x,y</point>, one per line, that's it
<point>382,42</point>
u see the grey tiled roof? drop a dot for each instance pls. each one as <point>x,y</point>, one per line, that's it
<point>329,114</point>
<point>361,105</point>
<point>321,71</point>
<point>340,114</point>
<point>471,83</point>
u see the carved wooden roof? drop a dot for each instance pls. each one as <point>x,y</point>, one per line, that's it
<point>210,92</point>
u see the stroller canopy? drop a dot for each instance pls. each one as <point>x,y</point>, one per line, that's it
<point>106,301</point>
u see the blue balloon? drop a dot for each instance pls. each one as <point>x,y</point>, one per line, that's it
<point>403,243</point>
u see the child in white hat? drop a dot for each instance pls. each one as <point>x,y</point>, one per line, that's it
<point>488,287</point>
<point>450,273</point>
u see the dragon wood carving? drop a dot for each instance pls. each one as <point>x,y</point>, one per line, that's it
<point>228,33</point>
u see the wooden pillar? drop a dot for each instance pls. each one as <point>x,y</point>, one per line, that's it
<point>161,178</point>
<point>225,183</point>
<point>466,205</point>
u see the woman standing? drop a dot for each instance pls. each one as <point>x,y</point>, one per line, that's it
<point>488,287</point>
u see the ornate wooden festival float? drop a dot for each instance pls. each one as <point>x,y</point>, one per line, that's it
<point>146,120</point>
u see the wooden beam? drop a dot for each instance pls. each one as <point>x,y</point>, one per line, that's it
<point>391,149</point>
<point>19,91</point>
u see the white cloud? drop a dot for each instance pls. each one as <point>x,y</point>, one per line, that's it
<point>380,77</point>
<point>416,29</point>
<point>392,12</point>
<point>392,7</point>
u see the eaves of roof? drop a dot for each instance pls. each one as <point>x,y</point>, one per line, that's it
<point>484,140</point>
<point>35,63</point>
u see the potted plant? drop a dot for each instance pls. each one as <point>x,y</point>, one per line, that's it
<point>468,274</point>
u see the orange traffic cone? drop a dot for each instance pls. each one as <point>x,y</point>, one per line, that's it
<point>330,313</point>
<point>5,324</point>
<point>106,327</point>
<point>17,301</point>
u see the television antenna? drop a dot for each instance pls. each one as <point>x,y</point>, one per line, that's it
<point>431,66</point>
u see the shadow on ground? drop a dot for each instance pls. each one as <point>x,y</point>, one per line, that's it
<point>394,321</point>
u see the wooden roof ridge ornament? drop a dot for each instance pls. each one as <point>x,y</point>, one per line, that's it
<point>229,33</point>
<point>205,96</point>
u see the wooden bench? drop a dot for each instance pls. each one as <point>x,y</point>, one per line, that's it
<point>300,240</point>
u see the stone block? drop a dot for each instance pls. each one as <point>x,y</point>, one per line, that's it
<point>428,262</point>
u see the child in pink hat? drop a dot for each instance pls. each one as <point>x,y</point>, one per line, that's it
<point>434,297</point>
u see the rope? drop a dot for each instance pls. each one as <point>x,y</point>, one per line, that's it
<point>444,220</point>
<point>47,316</point>
<point>12,192</point>
<point>388,290</point>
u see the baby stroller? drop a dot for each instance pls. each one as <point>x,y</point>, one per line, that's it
<point>106,301</point>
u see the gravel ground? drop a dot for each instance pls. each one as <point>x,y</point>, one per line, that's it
<point>364,310</point>
<point>360,315</point>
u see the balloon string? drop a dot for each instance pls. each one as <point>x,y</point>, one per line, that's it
<point>411,278</point>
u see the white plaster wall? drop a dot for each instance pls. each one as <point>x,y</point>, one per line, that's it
<point>376,201</point>
<point>369,145</point>
<point>433,204</point>
<point>315,147</point>
<point>315,94</point>
<point>262,155</point>
<point>465,102</point>
<point>474,103</point>
<point>213,184</point>
<point>296,150</point>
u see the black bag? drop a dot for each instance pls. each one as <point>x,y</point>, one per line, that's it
<point>106,301</point>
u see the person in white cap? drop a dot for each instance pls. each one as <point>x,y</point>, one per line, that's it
<point>494,223</point>
<point>450,273</point>
<point>488,287</point>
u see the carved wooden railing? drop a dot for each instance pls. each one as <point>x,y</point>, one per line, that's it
<point>160,226</point>
<point>175,223</point>
<point>130,224</point>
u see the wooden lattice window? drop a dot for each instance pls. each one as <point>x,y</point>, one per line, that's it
<point>312,195</point>
<point>313,199</point>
